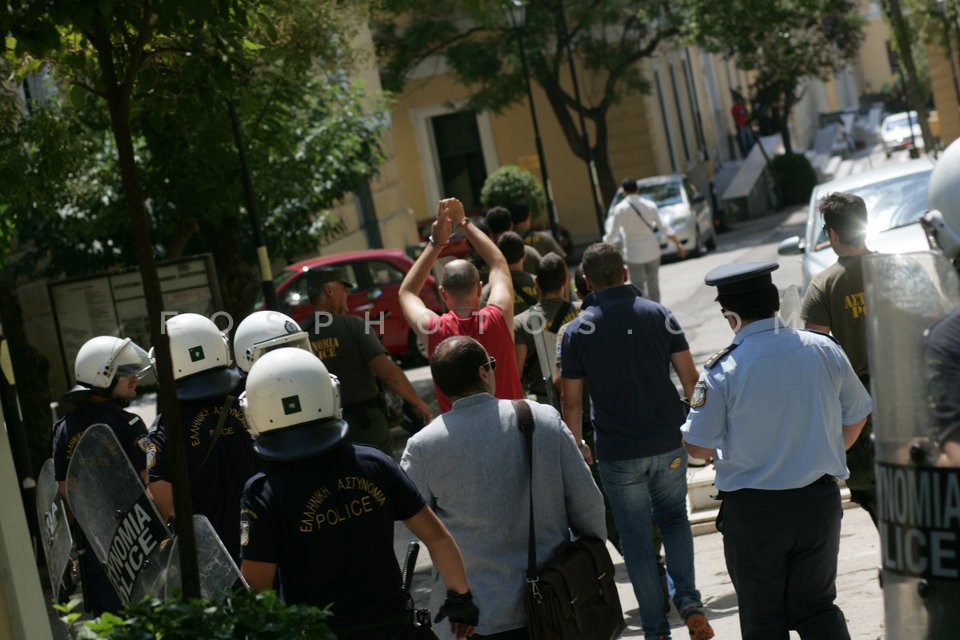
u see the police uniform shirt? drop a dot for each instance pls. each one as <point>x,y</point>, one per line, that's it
<point>347,344</point>
<point>327,523</point>
<point>942,356</point>
<point>128,427</point>
<point>216,489</point>
<point>773,407</point>
<point>525,292</point>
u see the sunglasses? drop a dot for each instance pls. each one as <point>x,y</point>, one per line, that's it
<point>491,364</point>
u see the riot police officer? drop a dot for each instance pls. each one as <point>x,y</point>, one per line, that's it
<point>106,371</point>
<point>321,518</point>
<point>220,455</point>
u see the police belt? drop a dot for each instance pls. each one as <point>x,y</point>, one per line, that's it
<point>824,479</point>
<point>363,405</point>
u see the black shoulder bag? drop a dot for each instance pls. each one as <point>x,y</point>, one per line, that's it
<point>574,596</point>
<point>652,227</point>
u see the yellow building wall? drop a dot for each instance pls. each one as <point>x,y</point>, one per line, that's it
<point>944,94</point>
<point>872,64</point>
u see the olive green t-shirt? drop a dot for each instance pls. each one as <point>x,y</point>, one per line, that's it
<point>347,344</point>
<point>835,299</point>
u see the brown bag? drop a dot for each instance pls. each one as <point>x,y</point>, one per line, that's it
<point>574,595</point>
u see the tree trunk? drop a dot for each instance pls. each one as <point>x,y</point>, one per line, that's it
<point>30,369</point>
<point>239,281</point>
<point>915,98</point>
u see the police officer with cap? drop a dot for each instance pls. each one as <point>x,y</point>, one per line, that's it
<point>321,518</point>
<point>775,411</point>
<point>351,350</point>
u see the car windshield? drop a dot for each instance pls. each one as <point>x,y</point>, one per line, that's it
<point>662,193</point>
<point>278,280</point>
<point>898,122</point>
<point>890,204</point>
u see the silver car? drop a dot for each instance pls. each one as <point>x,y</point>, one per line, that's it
<point>895,130</point>
<point>683,207</point>
<point>896,197</point>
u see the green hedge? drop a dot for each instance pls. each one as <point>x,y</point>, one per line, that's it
<point>510,184</point>
<point>796,177</point>
<point>241,616</point>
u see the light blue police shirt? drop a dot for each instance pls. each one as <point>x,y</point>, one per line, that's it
<point>774,408</point>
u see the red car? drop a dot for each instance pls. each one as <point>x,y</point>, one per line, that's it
<point>377,275</point>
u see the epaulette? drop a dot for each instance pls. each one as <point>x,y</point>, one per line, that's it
<point>718,356</point>
<point>821,333</point>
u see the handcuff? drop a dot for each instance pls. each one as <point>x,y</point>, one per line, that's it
<point>439,245</point>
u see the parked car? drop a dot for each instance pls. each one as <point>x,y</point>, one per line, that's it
<point>895,132</point>
<point>683,207</point>
<point>896,197</point>
<point>377,275</point>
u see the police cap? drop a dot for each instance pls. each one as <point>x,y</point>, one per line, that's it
<point>741,277</point>
<point>320,276</point>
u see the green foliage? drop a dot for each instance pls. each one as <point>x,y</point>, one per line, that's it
<point>780,41</point>
<point>510,184</point>
<point>796,177</point>
<point>609,40</point>
<point>242,616</point>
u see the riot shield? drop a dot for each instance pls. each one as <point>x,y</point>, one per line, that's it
<point>918,500</point>
<point>120,522</point>
<point>218,572</point>
<point>54,528</point>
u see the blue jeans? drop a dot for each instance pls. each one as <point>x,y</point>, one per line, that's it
<point>643,492</point>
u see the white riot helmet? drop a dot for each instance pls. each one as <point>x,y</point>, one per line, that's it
<point>101,359</point>
<point>264,331</point>
<point>942,222</point>
<point>200,355</point>
<point>292,406</point>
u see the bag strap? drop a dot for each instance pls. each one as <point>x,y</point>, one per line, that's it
<point>650,226</point>
<point>525,422</point>
<point>224,412</point>
<point>562,312</point>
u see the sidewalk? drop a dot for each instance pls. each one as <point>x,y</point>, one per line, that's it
<point>858,591</point>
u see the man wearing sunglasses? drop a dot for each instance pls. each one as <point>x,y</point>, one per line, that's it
<point>470,466</point>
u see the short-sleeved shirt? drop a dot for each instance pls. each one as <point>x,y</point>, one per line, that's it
<point>774,408</point>
<point>488,326</point>
<point>835,299</point>
<point>623,344</point>
<point>128,427</point>
<point>942,357</point>
<point>327,523</point>
<point>525,292</point>
<point>631,224</point>
<point>543,242</point>
<point>539,319</point>
<point>216,484</point>
<point>347,344</point>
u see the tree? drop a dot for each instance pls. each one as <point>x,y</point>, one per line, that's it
<point>609,39</point>
<point>781,41</point>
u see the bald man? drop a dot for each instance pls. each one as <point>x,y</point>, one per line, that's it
<point>460,288</point>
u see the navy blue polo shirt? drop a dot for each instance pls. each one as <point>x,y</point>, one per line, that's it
<point>622,342</point>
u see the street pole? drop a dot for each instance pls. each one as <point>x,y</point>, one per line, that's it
<point>587,151</point>
<point>263,258</point>
<point>515,10</point>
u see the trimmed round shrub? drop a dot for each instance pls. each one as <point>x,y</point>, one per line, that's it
<point>510,184</point>
<point>796,177</point>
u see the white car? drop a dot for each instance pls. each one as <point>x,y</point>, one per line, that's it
<point>896,197</point>
<point>895,132</point>
<point>683,207</point>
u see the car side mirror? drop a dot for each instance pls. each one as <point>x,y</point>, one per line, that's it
<point>792,246</point>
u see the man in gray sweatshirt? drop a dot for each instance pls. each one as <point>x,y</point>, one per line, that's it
<point>470,465</point>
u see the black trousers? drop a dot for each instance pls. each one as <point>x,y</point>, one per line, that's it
<point>513,634</point>
<point>781,550</point>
